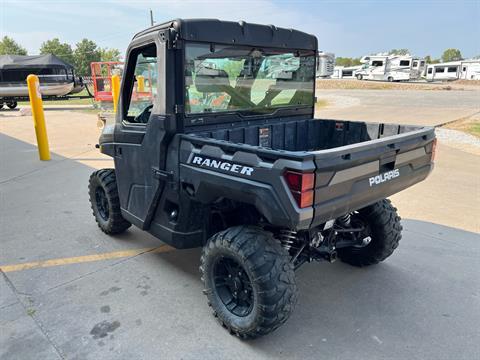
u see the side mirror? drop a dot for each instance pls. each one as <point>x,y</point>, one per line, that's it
<point>211,80</point>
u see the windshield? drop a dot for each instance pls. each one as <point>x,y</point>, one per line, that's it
<point>230,78</point>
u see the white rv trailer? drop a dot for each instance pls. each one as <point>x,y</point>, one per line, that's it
<point>390,68</point>
<point>345,72</point>
<point>325,64</point>
<point>453,70</point>
<point>444,71</point>
<point>470,69</point>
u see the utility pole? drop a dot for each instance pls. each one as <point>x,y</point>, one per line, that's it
<point>151,17</point>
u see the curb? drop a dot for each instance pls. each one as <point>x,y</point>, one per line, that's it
<point>459,119</point>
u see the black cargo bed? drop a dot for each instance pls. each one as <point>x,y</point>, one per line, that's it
<point>304,134</point>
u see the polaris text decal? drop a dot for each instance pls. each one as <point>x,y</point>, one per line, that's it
<point>389,175</point>
<point>222,165</point>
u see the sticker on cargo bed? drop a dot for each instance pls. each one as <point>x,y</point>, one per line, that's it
<point>389,175</point>
<point>264,137</point>
<point>207,162</point>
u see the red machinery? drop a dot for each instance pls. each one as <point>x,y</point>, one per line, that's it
<point>102,72</point>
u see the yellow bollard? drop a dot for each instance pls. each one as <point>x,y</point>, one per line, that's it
<point>115,91</point>
<point>38,116</point>
<point>140,83</point>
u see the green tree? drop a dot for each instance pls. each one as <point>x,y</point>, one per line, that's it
<point>346,61</point>
<point>109,54</point>
<point>62,50</point>
<point>86,51</point>
<point>356,61</point>
<point>451,55</point>
<point>429,60</point>
<point>8,46</point>
<point>399,52</point>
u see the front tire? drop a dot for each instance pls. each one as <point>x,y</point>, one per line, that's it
<point>249,281</point>
<point>385,230</point>
<point>359,77</point>
<point>105,202</point>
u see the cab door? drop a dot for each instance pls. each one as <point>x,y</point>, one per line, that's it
<point>139,132</point>
<point>378,69</point>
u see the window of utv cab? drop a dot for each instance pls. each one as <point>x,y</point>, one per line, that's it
<point>141,84</point>
<point>226,78</point>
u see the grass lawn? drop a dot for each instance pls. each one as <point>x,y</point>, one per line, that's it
<point>320,104</point>
<point>72,101</point>
<point>470,126</point>
<point>475,129</point>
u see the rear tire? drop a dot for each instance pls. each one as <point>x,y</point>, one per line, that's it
<point>385,230</point>
<point>390,79</point>
<point>11,104</point>
<point>263,295</point>
<point>105,202</point>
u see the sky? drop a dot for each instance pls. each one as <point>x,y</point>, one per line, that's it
<point>346,28</point>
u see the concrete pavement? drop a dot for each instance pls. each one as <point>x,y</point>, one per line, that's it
<point>421,304</point>
<point>450,195</point>
<point>411,107</point>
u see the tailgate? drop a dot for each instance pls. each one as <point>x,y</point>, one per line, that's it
<point>351,177</point>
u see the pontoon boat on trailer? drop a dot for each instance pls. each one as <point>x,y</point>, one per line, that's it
<point>56,77</point>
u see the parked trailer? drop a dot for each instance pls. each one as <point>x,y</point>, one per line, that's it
<point>57,78</point>
<point>390,68</point>
<point>444,71</point>
<point>325,64</point>
<point>453,70</point>
<point>342,72</point>
<point>470,69</point>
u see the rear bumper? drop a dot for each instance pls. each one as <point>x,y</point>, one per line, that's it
<point>338,199</point>
<point>350,178</point>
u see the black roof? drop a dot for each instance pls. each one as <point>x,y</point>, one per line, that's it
<point>35,61</point>
<point>239,33</point>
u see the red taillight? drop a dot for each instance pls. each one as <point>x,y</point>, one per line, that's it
<point>301,186</point>
<point>299,181</point>
<point>434,149</point>
<point>304,199</point>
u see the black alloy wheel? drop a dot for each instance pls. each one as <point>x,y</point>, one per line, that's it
<point>233,286</point>
<point>102,203</point>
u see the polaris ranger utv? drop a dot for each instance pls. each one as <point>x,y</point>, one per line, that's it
<point>225,154</point>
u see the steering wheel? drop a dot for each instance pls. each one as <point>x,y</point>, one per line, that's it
<point>143,117</point>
